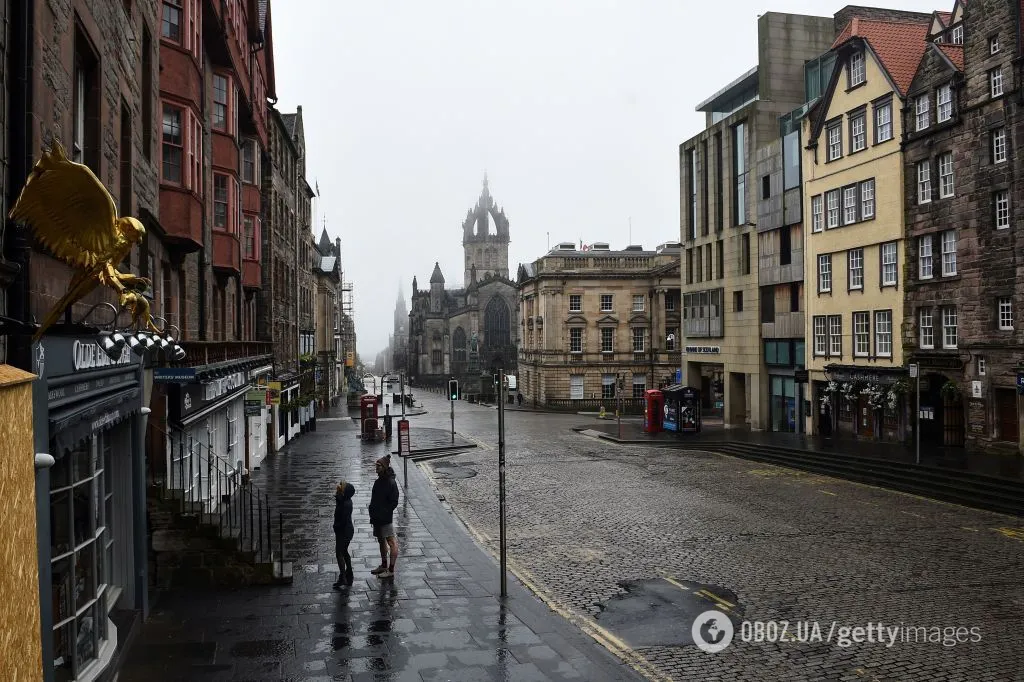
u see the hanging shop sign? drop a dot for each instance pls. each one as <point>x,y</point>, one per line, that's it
<point>274,392</point>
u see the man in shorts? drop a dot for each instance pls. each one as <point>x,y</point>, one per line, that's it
<point>383,501</point>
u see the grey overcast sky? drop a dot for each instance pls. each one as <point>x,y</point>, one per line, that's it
<point>575,109</point>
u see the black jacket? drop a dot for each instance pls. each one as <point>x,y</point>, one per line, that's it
<point>343,511</point>
<point>383,501</point>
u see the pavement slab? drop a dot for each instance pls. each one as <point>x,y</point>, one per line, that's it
<point>440,618</point>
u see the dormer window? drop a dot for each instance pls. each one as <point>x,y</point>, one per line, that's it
<point>958,34</point>
<point>856,67</point>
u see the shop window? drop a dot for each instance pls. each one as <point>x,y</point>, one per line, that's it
<point>82,547</point>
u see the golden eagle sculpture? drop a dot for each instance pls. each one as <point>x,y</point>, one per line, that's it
<point>73,215</point>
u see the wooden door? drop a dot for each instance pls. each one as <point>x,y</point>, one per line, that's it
<point>1006,414</point>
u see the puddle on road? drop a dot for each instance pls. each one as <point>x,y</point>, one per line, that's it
<point>450,470</point>
<point>660,612</point>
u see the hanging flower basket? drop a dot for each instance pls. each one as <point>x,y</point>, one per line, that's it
<point>831,389</point>
<point>875,395</point>
<point>950,391</point>
<point>849,391</point>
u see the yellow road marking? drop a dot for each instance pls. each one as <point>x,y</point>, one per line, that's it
<point>1012,533</point>
<point>675,582</point>
<point>601,635</point>
<point>711,596</point>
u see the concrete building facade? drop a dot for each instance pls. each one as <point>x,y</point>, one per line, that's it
<point>597,325</point>
<point>722,352</point>
<point>964,290</point>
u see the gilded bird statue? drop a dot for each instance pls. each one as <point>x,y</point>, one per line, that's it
<point>73,215</point>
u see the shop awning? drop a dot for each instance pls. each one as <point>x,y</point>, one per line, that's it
<point>71,426</point>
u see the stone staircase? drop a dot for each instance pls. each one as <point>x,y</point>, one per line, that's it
<point>210,526</point>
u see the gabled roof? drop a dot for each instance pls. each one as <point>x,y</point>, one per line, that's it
<point>955,54</point>
<point>899,45</point>
<point>289,123</point>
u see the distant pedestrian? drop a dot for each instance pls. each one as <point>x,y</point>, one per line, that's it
<point>383,502</point>
<point>519,397</point>
<point>343,532</point>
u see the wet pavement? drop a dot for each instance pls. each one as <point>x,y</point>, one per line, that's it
<point>438,619</point>
<point>1010,466</point>
<point>629,541</point>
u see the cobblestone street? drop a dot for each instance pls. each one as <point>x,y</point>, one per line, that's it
<point>602,531</point>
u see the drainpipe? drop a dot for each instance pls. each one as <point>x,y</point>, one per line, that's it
<point>17,247</point>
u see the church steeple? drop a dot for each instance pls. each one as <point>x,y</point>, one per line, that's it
<point>486,249</point>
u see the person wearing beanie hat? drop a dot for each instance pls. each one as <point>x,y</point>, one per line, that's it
<point>383,501</point>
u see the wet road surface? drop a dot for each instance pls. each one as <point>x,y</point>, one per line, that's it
<point>438,619</point>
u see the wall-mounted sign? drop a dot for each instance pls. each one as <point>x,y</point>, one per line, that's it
<point>801,376</point>
<point>704,350</point>
<point>274,392</point>
<point>194,396</point>
<point>350,358</point>
<point>174,375</point>
<point>89,355</point>
<point>254,402</point>
<point>977,417</point>
<point>975,389</point>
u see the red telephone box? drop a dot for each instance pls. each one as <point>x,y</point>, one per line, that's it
<point>368,414</point>
<point>654,407</point>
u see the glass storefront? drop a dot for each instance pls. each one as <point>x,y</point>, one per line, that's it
<point>785,394</point>
<point>82,551</point>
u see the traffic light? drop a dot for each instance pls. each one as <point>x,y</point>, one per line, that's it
<point>453,389</point>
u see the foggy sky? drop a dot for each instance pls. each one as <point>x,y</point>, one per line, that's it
<point>575,110</point>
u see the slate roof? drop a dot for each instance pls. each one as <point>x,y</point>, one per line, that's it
<point>436,277</point>
<point>289,123</point>
<point>326,245</point>
<point>899,45</point>
<point>327,263</point>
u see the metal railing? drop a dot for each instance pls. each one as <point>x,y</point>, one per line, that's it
<point>210,488</point>
<point>629,405</point>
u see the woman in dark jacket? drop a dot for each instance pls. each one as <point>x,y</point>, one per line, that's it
<point>383,501</point>
<point>343,531</point>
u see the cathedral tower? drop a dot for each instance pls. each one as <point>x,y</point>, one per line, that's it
<point>485,239</point>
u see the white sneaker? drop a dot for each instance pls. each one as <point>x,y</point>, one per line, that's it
<point>385,574</point>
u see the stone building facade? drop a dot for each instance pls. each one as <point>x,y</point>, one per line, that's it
<point>288,253</point>
<point>327,309</point>
<point>470,332</point>
<point>853,201</point>
<point>964,287</point>
<point>718,213</point>
<point>598,324</point>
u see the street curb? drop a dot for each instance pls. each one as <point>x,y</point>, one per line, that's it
<point>426,451</point>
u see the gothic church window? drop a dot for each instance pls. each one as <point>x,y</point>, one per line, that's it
<point>497,326</point>
<point>459,345</point>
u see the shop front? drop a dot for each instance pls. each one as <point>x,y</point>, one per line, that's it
<point>207,434</point>
<point>89,417</point>
<point>865,403</point>
<point>784,359</point>
<point>286,413</point>
<point>704,370</point>
<point>258,418</point>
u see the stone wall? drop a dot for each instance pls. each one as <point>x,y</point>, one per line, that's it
<point>986,270</point>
